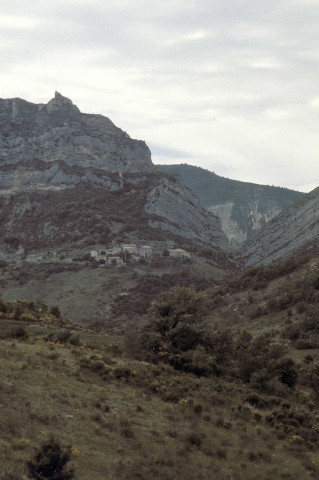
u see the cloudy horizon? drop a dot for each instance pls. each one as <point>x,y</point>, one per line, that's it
<point>228,85</point>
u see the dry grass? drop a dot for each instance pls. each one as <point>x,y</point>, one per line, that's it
<point>120,427</point>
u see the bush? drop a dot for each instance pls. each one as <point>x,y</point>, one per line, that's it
<point>64,336</point>
<point>286,371</point>
<point>55,311</point>
<point>51,462</point>
<point>19,333</point>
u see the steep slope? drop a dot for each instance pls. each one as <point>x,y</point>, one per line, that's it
<point>293,228</point>
<point>183,215</point>
<point>244,208</point>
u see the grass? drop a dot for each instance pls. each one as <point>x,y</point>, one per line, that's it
<point>126,427</point>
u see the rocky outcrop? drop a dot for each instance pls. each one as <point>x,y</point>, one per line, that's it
<point>183,215</point>
<point>244,208</point>
<point>293,228</point>
<point>58,131</point>
<point>26,177</point>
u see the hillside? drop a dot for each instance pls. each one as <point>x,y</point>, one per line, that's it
<point>244,208</point>
<point>293,228</point>
<point>221,380</point>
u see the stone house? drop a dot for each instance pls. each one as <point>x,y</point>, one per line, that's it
<point>98,254</point>
<point>129,248</point>
<point>116,261</point>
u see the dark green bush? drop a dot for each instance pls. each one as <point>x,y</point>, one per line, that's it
<point>51,462</point>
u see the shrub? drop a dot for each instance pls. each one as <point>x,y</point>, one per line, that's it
<point>64,336</point>
<point>19,333</point>
<point>51,462</point>
<point>194,439</point>
<point>287,373</point>
<point>55,311</point>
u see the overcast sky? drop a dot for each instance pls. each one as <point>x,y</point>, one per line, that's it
<point>229,85</point>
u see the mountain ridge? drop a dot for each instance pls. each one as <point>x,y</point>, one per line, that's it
<point>291,229</point>
<point>243,207</point>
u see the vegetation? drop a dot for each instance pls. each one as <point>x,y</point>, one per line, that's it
<point>36,219</point>
<point>51,462</point>
<point>201,384</point>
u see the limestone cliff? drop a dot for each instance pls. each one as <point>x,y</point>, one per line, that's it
<point>58,131</point>
<point>183,215</point>
<point>293,228</point>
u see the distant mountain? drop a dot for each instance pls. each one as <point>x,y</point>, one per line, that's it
<point>282,236</point>
<point>244,208</point>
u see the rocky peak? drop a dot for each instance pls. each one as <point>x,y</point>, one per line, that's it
<point>58,131</point>
<point>59,102</point>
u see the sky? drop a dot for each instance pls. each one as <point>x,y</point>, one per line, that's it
<point>228,85</point>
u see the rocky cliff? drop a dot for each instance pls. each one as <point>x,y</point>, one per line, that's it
<point>243,208</point>
<point>293,228</point>
<point>53,157</point>
<point>183,215</point>
<point>58,131</point>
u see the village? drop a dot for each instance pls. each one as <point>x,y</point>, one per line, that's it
<point>116,255</point>
<point>131,252</point>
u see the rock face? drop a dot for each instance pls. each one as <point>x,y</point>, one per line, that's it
<point>48,150</point>
<point>244,208</point>
<point>183,215</point>
<point>37,175</point>
<point>58,131</point>
<point>293,228</point>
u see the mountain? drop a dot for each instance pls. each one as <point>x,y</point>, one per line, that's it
<point>59,131</point>
<point>52,147</point>
<point>244,208</point>
<point>72,183</point>
<point>286,233</point>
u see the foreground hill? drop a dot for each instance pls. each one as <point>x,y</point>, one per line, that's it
<point>219,382</point>
<point>244,208</point>
<point>293,228</point>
